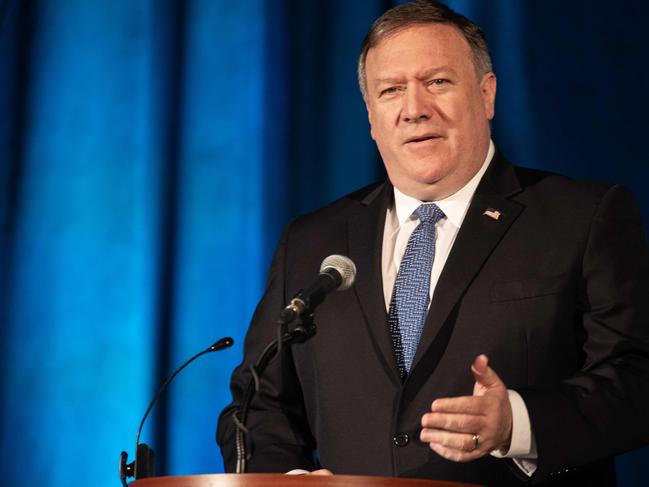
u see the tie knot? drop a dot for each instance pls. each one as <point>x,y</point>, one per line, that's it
<point>429,213</point>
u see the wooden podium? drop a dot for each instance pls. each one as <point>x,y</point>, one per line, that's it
<point>281,480</point>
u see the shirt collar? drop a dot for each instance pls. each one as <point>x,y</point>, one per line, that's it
<point>454,206</point>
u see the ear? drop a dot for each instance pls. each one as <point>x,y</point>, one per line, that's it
<point>488,89</point>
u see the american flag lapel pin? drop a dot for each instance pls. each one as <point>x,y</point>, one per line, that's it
<point>491,213</point>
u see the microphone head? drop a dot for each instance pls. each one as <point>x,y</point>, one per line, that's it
<point>344,266</point>
<point>224,342</point>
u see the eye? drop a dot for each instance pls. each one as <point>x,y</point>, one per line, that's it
<point>389,91</point>
<point>439,82</point>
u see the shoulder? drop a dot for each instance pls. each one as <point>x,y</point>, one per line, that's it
<point>341,210</point>
<point>546,181</point>
<point>544,187</point>
<point>529,185</point>
<point>555,198</point>
<point>569,201</point>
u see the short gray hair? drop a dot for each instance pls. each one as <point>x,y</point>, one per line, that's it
<point>424,12</point>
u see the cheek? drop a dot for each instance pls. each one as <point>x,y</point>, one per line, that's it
<point>379,132</point>
<point>383,136</point>
<point>375,133</point>
<point>462,111</point>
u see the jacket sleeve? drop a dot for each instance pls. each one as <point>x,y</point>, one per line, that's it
<point>279,436</point>
<point>601,410</point>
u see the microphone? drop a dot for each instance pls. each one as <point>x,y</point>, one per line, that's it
<point>142,467</point>
<point>337,272</point>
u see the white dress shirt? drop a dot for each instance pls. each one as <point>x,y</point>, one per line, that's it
<point>400,222</point>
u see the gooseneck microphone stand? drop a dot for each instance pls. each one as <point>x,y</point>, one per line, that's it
<point>300,333</point>
<point>142,466</point>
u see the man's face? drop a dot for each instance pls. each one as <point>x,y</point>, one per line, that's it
<point>428,112</point>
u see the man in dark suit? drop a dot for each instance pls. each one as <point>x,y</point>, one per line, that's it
<point>545,276</point>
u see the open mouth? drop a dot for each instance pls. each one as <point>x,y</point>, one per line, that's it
<point>421,138</point>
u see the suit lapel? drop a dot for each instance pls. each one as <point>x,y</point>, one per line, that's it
<point>475,241</point>
<point>365,232</point>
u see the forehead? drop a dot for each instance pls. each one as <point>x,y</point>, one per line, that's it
<point>419,46</point>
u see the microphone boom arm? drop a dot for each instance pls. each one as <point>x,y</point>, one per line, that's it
<point>299,334</point>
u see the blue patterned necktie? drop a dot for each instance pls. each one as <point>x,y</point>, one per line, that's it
<point>409,304</point>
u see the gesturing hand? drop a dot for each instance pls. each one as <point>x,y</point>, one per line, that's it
<point>468,427</point>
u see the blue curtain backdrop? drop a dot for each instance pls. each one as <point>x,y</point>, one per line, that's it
<point>152,150</point>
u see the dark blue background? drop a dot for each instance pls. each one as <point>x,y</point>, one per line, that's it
<point>152,150</point>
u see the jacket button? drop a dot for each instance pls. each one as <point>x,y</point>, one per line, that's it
<point>401,439</point>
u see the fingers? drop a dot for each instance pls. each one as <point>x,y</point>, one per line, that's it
<point>462,404</point>
<point>322,471</point>
<point>455,455</point>
<point>485,375</point>
<point>450,427</point>
<point>480,363</point>
<point>456,441</point>
<point>456,422</point>
<point>458,447</point>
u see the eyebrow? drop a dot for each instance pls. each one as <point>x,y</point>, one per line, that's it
<point>425,74</point>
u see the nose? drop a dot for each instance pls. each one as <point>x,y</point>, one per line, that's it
<point>415,109</point>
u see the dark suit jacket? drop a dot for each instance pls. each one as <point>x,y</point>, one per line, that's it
<point>554,292</point>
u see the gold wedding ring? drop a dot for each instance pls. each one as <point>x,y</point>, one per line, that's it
<point>476,439</point>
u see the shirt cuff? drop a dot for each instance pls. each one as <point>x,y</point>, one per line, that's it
<point>526,465</point>
<point>522,444</point>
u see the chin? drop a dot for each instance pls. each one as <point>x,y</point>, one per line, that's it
<point>429,177</point>
<point>424,173</point>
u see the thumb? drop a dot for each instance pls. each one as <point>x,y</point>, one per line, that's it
<point>485,377</point>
